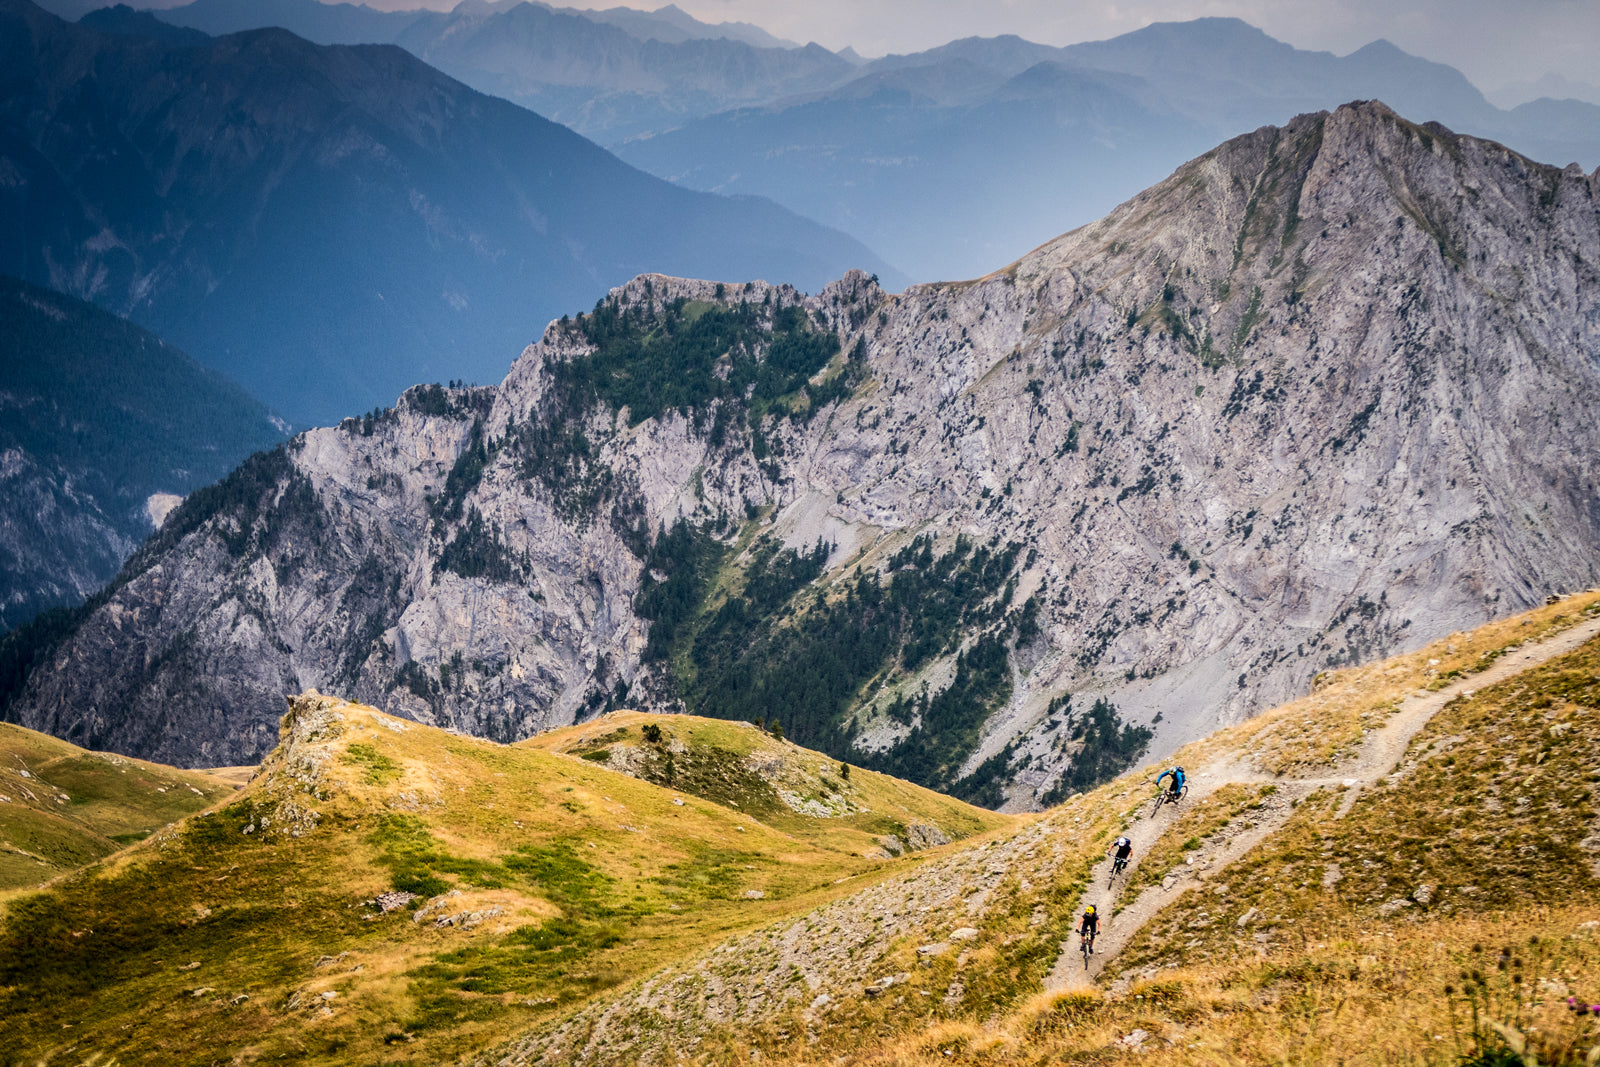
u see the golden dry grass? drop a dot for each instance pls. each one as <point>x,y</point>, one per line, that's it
<point>1495,807</point>
<point>1361,995</point>
<point>718,761</point>
<point>1375,938</point>
<point>208,941</point>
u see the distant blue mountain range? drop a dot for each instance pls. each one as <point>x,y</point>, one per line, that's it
<point>329,225</point>
<point>955,161</point>
<point>949,162</point>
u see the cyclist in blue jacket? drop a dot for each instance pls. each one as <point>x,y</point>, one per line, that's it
<point>1176,788</point>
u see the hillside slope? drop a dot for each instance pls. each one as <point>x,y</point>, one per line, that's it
<point>788,787</point>
<point>329,225</point>
<point>1322,395</point>
<point>564,912</point>
<point>388,892</point>
<point>1278,912</point>
<point>62,807</point>
<point>98,417</point>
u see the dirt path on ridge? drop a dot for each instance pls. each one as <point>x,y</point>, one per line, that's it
<point>1380,752</point>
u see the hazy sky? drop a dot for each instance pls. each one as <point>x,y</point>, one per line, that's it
<point>1491,41</point>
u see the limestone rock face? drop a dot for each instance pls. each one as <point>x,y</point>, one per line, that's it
<point>1325,393</point>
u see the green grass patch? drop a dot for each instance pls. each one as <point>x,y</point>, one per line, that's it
<point>379,768</point>
<point>74,807</point>
<point>418,862</point>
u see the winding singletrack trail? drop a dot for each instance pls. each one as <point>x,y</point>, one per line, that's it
<point>1378,757</point>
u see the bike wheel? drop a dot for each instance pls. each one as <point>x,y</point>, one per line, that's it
<point>1160,797</point>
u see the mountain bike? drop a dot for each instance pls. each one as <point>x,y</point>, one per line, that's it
<point>1117,867</point>
<point>1164,796</point>
<point>1086,946</point>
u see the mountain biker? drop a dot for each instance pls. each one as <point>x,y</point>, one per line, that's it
<point>1090,926</point>
<point>1176,788</point>
<point>1123,848</point>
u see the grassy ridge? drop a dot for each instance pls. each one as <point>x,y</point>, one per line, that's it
<point>558,878</point>
<point>1494,810</point>
<point>1313,733</point>
<point>713,759</point>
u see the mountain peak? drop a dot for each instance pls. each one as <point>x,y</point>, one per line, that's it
<point>1300,338</point>
<point>1212,31</point>
<point>1382,46</point>
<point>1216,26</point>
<point>1357,143</point>
<point>126,21</point>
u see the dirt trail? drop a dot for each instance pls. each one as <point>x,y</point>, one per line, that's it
<point>1378,757</point>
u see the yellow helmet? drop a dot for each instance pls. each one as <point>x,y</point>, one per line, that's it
<point>1089,910</point>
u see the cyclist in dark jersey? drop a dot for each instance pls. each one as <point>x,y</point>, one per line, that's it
<point>1122,848</point>
<point>1090,926</point>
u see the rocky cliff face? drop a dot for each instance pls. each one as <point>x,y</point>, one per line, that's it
<point>1326,392</point>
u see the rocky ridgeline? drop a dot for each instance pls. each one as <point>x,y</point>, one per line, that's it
<point>295,776</point>
<point>1325,393</point>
